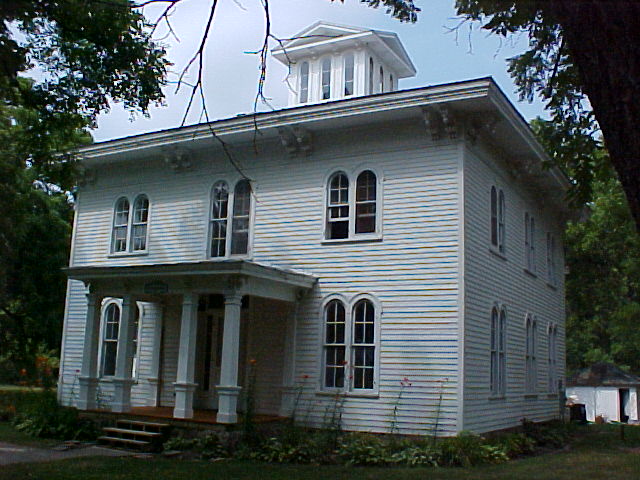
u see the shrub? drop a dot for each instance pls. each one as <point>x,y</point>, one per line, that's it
<point>41,416</point>
<point>206,447</point>
<point>549,435</point>
<point>364,450</point>
<point>416,456</point>
<point>516,444</point>
<point>468,449</point>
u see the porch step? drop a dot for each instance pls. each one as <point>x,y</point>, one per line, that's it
<point>135,434</point>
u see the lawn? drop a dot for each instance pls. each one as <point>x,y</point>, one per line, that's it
<point>596,453</point>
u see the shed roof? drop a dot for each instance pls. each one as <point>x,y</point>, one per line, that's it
<point>602,375</point>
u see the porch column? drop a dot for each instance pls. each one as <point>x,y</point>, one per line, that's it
<point>153,394</point>
<point>289,389</point>
<point>184,385</point>
<point>88,380</point>
<point>228,390</point>
<point>122,380</point>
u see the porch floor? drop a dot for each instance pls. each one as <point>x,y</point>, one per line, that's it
<point>206,417</point>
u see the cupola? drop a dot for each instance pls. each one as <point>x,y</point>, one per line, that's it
<point>333,62</point>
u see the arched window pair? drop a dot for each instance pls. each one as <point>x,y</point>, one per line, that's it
<point>130,231</point>
<point>349,215</point>
<point>224,203</point>
<point>531,357</point>
<point>498,362</point>
<point>349,352</point>
<point>110,334</point>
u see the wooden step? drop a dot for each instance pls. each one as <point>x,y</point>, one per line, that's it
<point>142,426</point>
<point>126,431</point>
<point>127,441</point>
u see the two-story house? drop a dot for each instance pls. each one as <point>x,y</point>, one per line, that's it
<point>394,251</point>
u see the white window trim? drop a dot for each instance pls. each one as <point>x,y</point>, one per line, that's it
<point>332,83</point>
<point>349,305</point>
<point>552,349</point>
<point>498,248</point>
<point>552,267</point>
<point>499,390</point>
<point>300,84</point>
<point>352,176</point>
<point>129,252</point>
<point>231,185</point>
<point>529,244</point>
<point>103,310</point>
<point>531,355</point>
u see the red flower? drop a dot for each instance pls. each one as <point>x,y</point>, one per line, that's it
<point>305,376</point>
<point>23,372</point>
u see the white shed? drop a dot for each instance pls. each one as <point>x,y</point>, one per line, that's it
<point>607,391</point>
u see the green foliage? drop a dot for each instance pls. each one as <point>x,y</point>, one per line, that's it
<point>206,447</point>
<point>603,283</point>
<point>467,449</point>
<point>274,450</point>
<point>516,444</point>
<point>549,435</point>
<point>39,415</point>
<point>364,450</point>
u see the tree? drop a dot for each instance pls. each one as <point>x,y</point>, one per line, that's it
<point>82,55</point>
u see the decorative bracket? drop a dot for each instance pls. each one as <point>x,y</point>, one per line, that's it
<point>177,159</point>
<point>440,121</point>
<point>296,140</point>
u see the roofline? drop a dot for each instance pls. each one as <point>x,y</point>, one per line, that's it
<point>421,96</point>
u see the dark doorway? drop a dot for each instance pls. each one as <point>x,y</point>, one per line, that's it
<point>623,395</point>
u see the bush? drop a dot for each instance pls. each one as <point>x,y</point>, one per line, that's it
<point>416,456</point>
<point>548,435</point>
<point>206,447</point>
<point>40,415</point>
<point>516,444</point>
<point>364,450</point>
<point>273,450</point>
<point>468,449</point>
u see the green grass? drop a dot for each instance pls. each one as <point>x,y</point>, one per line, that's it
<point>19,388</point>
<point>597,453</point>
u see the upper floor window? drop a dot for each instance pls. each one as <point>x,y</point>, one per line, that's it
<point>390,82</point>
<point>350,346</point>
<point>371,76</point>
<point>552,276</point>
<point>498,219</point>
<point>552,333</point>
<point>348,74</point>
<point>304,82</point>
<point>529,243</point>
<point>351,214</point>
<point>222,203</point>
<point>498,364</point>
<point>326,78</point>
<point>531,359</point>
<point>129,233</point>
<point>381,79</point>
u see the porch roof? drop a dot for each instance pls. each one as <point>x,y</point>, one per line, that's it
<point>250,277</point>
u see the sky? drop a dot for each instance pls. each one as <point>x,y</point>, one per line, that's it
<point>231,72</point>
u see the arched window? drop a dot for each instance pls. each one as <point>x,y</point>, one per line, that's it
<point>110,339</point>
<point>334,344</point>
<point>498,362</point>
<point>326,78</point>
<point>366,202</point>
<point>370,76</point>
<point>140,222</point>
<point>338,207</point>
<point>218,219</point>
<point>531,372</point>
<point>304,82</point>
<point>348,75</point>
<point>363,345</point>
<point>241,218</point>
<point>381,79</point>
<point>553,357</point>
<point>120,226</point>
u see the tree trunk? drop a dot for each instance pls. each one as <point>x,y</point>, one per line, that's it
<point>604,39</point>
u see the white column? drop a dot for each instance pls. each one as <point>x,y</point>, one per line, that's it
<point>88,379</point>
<point>228,390</point>
<point>153,393</point>
<point>184,385</point>
<point>122,380</point>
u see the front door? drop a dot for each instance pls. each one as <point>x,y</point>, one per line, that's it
<point>208,357</point>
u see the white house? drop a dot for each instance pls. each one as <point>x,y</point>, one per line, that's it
<point>394,253</point>
<point>605,391</point>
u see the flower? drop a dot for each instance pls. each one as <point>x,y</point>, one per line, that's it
<point>253,361</point>
<point>305,376</point>
<point>23,372</point>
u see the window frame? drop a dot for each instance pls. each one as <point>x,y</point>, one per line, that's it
<point>129,239</point>
<point>140,311</point>
<point>498,322</point>
<point>352,177</point>
<point>345,79</point>
<point>302,86</point>
<point>349,305</point>
<point>552,274</point>
<point>330,83</point>
<point>552,358</point>
<point>531,355</point>
<point>231,193</point>
<point>530,243</point>
<point>497,221</point>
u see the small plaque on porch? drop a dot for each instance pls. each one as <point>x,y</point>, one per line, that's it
<point>156,288</point>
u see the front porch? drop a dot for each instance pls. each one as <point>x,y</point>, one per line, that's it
<point>218,326</point>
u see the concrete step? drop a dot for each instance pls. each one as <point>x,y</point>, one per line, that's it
<point>128,442</point>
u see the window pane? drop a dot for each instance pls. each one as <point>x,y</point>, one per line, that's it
<point>109,362</point>
<point>141,210</point>
<point>241,212</point>
<point>139,237</point>
<point>370,76</point>
<point>348,75</point>
<point>366,202</point>
<point>120,225</point>
<point>494,217</point>
<point>119,239</point>
<point>304,82</point>
<point>218,238</point>
<point>326,78</point>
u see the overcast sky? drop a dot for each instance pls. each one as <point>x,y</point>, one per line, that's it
<point>231,74</point>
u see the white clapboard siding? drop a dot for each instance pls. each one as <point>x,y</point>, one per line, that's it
<point>490,279</point>
<point>413,271</point>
